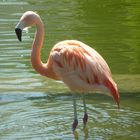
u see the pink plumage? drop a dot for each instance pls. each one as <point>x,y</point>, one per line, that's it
<point>82,68</point>
<point>79,66</point>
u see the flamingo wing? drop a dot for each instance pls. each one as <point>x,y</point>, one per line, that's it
<point>81,60</point>
<point>81,67</point>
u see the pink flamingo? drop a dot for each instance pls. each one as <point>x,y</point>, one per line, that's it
<point>79,66</point>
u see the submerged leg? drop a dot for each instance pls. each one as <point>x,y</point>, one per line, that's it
<point>75,122</point>
<point>85,119</point>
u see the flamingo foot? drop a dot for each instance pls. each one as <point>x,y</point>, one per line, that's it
<point>85,119</point>
<point>74,125</point>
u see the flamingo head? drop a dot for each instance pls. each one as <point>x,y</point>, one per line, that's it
<point>29,18</point>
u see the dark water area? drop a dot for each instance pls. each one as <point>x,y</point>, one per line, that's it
<point>35,107</point>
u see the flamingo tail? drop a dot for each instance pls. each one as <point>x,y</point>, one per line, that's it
<point>111,85</point>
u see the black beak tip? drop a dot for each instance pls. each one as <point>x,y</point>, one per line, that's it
<point>18,33</point>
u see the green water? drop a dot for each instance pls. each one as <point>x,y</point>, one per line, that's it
<point>35,107</point>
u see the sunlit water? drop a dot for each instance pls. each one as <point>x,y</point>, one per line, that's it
<point>35,107</point>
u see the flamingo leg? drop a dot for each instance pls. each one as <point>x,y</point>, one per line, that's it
<point>85,118</point>
<point>75,122</point>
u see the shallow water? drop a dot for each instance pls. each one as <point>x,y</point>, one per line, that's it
<point>35,107</point>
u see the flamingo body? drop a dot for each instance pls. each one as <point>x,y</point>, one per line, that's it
<point>82,68</point>
<point>79,66</point>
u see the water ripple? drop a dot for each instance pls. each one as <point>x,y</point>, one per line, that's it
<point>33,107</point>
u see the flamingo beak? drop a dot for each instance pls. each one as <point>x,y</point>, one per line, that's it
<point>19,33</point>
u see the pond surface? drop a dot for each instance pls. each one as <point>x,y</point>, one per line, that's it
<point>35,107</point>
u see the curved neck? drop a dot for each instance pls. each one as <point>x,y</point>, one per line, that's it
<point>36,49</point>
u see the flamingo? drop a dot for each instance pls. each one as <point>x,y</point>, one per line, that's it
<point>79,66</point>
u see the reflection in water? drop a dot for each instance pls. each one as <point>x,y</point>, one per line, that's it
<point>34,107</point>
<point>50,116</point>
<point>85,131</point>
<point>76,135</point>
